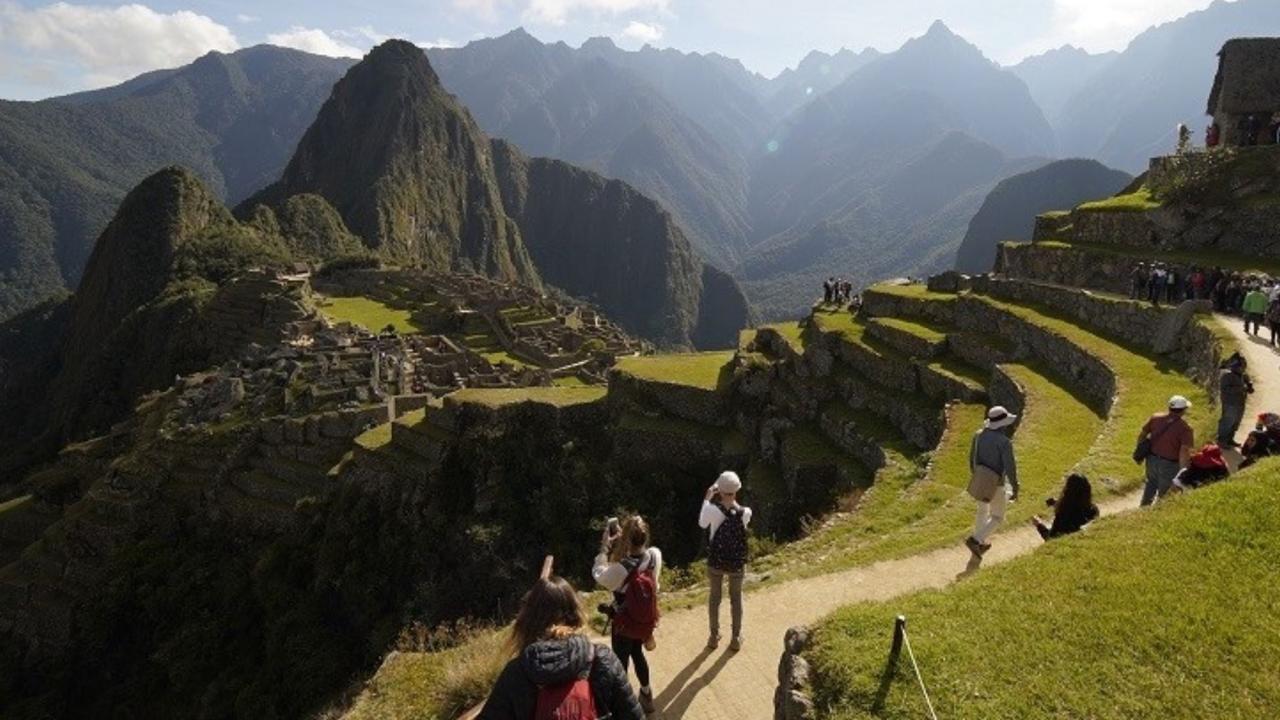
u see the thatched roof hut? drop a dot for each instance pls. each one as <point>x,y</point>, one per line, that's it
<point>1247,83</point>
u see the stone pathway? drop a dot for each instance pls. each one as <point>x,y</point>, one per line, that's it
<point>692,682</point>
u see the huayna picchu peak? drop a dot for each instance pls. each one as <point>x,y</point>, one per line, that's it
<point>424,384</point>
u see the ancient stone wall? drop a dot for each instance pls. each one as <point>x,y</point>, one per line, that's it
<point>791,700</point>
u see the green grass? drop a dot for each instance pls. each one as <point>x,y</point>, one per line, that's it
<point>909,510</point>
<point>369,314</point>
<point>569,381</point>
<point>1205,258</point>
<point>707,370</point>
<point>432,685</point>
<point>1139,201</point>
<point>792,332</point>
<point>557,396</point>
<point>1159,614</point>
<point>925,331</point>
<point>959,370</point>
<point>853,331</point>
<point>378,436</point>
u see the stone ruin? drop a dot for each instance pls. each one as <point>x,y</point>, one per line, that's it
<point>1247,83</point>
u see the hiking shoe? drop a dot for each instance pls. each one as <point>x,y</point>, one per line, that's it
<point>736,643</point>
<point>646,700</point>
<point>713,642</point>
<point>983,548</point>
<point>974,546</point>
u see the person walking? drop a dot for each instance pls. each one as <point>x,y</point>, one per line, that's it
<point>1234,387</point>
<point>1255,309</point>
<point>557,672</point>
<point>726,521</point>
<point>994,476</point>
<point>1164,445</point>
<point>629,568</point>
<point>1273,321</point>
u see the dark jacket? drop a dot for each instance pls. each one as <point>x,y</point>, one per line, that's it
<point>1067,521</point>
<point>554,662</point>
<point>1234,387</point>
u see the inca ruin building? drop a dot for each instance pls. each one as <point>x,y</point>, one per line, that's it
<point>1247,84</point>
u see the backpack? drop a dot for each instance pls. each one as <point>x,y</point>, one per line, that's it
<point>572,700</point>
<point>637,615</point>
<point>729,544</point>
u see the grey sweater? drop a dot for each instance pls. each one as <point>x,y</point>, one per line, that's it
<point>993,449</point>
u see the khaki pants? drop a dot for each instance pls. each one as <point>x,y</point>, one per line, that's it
<point>990,515</point>
<point>716,579</point>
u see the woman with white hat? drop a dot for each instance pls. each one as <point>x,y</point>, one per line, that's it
<point>726,521</point>
<point>994,480</point>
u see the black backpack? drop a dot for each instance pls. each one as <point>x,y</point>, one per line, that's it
<point>729,544</point>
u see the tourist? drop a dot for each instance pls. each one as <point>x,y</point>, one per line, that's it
<point>1138,281</point>
<point>1255,309</point>
<point>994,476</point>
<point>827,288</point>
<point>1173,286</point>
<point>1206,466</point>
<point>1164,444</point>
<point>556,668</point>
<point>1212,135</point>
<point>726,521</point>
<point>1273,319</point>
<point>1072,510</point>
<point>1264,441</point>
<point>1155,284</point>
<point>1234,388</point>
<point>1197,282</point>
<point>1184,139</point>
<point>631,570</point>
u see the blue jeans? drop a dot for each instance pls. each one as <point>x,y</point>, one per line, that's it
<point>1160,474</point>
<point>1232,416</point>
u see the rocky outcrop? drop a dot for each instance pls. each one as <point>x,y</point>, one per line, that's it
<point>603,241</point>
<point>791,700</point>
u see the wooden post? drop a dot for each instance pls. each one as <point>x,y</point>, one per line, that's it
<point>899,628</point>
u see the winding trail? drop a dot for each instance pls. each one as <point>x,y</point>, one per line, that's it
<point>693,682</point>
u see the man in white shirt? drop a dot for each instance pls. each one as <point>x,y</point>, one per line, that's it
<point>726,522</point>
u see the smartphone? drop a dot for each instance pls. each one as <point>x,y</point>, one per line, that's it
<point>614,526</point>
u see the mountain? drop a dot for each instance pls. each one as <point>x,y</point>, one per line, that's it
<point>1009,212</point>
<point>407,168</point>
<point>881,175</point>
<point>1128,113</point>
<point>817,73</point>
<point>1056,75</point>
<point>66,163</point>
<point>599,107</point>
<point>410,172</point>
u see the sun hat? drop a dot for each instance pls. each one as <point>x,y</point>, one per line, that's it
<point>998,417</point>
<point>1177,402</point>
<point>728,482</point>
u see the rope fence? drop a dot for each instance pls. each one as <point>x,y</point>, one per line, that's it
<point>900,640</point>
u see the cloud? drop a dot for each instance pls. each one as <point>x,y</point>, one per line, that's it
<point>484,9</point>
<point>556,12</point>
<point>314,40</point>
<point>440,42</point>
<point>104,45</point>
<point>1102,25</point>
<point>639,32</point>
<point>246,19</point>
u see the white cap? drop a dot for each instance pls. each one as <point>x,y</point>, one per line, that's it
<point>1177,402</point>
<point>728,482</point>
<point>998,417</point>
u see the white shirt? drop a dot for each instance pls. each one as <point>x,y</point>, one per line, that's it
<point>712,516</point>
<point>612,576</point>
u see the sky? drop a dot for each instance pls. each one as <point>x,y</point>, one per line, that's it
<point>51,49</point>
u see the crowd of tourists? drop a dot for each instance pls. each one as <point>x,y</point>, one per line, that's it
<point>557,673</point>
<point>839,291</point>
<point>1254,297</point>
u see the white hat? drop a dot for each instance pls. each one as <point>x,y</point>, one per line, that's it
<point>998,417</point>
<point>728,482</point>
<point>1177,402</point>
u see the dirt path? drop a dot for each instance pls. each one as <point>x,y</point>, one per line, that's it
<point>1264,367</point>
<point>692,682</point>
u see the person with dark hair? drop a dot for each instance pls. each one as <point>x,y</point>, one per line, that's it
<point>1264,441</point>
<point>629,568</point>
<point>557,672</point>
<point>828,288</point>
<point>1206,466</point>
<point>1072,510</point>
<point>1234,388</point>
<point>1273,321</point>
<point>1164,446</point>
<point>1212,136</point>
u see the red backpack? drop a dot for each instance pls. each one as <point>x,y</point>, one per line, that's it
<point>568,701</point>
<point>638,615</point>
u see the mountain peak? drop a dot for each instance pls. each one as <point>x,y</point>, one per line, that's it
<point>599,43</point>
<point>939,29</point>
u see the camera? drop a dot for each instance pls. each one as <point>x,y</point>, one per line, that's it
<point>607,609</point>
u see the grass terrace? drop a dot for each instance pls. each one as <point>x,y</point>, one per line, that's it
<point>1139,201</point>
<point>369,314</point>
<point>923,330</point>
<point>1206,258</point>
<point>853,331</point>
<point>556,396</point>
<point>1160,614</point>
<point>432,685</point>
<point>706,370</point>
